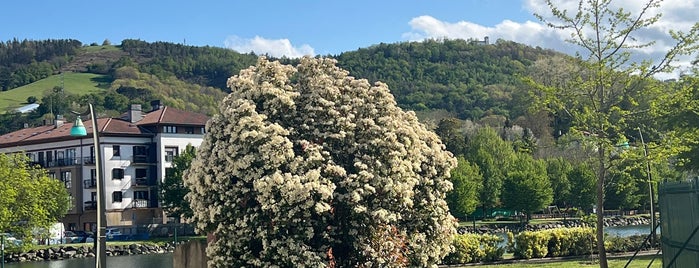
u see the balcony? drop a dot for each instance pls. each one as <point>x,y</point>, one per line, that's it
<point>143,159</point>
<point>89,160</point>
<point>57,162</point>
<point>89,183</point>
<point>90,205</point>
<point>140,203</point>
<point>143,182</point>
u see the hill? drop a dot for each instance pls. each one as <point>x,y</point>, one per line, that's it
<point>74,83</point>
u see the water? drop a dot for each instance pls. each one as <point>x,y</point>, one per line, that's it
<point>629,230</point>
<point>130,261</point>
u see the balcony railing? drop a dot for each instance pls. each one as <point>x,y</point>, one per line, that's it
<point>57,162</point>
<point>144,181</point>
<point>89,183</point>
<point>143,159</point>
<point>89,160</point>
<point>90,205</point>
<point>140,203</point>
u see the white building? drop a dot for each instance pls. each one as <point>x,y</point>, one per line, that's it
<point>137,150</point>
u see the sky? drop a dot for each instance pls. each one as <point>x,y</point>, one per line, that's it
<point>312,27</point>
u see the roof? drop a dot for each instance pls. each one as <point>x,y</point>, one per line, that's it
<point>172,116</point>
<point>27,108</point>
<point>106,126</point>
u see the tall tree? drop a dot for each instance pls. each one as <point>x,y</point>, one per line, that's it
<point>173,191</point>
<point>600,98</point>
<point>526,187</point>
<point>557,170</point>
<point>582,182</point>
<point>493,156</point>
<point>467,181</point>
<point>310,167</point>
<point>29,196</point>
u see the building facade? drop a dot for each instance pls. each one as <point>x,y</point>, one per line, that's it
<point>137,150</point>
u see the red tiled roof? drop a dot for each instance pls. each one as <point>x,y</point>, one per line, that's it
<point>107,126</point>
<point>169,115</point>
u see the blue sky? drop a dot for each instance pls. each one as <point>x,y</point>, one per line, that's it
<point>326,26</point>
<point>295,28</point>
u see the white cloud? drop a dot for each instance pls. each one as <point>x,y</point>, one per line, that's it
<point>677,15</point>
<point>273,47</point>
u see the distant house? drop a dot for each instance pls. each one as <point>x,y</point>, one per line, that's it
<point>137,152</point>
<point>27,108</point>
<point>486,41</point>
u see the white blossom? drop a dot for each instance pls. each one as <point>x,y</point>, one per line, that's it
<point>308,167</point>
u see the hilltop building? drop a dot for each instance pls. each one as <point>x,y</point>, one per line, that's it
<point>138,149</point>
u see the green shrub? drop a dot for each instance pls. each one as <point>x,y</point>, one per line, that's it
<point>554,243</point>
<point>472,248</point>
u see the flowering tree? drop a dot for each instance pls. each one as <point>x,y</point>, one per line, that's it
<point>308,167</point>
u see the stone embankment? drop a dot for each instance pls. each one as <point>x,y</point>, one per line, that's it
<point>69,252</point>
<point>501,228</point>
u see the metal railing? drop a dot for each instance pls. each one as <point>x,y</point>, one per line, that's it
<point>89,183</point>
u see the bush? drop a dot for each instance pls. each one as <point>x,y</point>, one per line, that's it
<point>554,243</point>
<point>473,248</point>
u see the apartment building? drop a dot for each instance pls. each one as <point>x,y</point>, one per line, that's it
<point>137,150</point>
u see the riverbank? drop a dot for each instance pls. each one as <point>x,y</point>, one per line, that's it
<point>64,252</point>
<point>515,227</point>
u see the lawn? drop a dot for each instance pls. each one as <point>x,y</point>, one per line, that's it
<point>638,262</point>
<point>74,83</point>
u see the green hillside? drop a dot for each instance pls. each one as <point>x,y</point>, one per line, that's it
<point>74,83</point>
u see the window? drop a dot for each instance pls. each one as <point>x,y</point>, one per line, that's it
<point>66,178</point>
<point>93,174</point>
<point>52,175</point>
<point>117,174</point>
<point>117,150</point>
<point>203,130</point>
<point>169,129</point>
<point>141,172</point>
<point>170,153</point>
<point>139,150</point>
<point>116,196</point>
<point>189,130</point>
<point>141,195</point>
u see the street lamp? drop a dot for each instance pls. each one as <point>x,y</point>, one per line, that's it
<point>79,130</point>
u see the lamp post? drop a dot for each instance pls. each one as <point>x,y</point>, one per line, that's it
<point>650,189</point>
<point>79,130</point>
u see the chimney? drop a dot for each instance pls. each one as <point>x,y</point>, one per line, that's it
<point>156,105</point>
<point>135,114</point>
<point>59,121</point>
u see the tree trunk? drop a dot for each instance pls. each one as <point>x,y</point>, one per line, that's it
<point>600,209</point>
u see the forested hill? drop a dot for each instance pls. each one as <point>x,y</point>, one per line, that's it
<point>468,78</point>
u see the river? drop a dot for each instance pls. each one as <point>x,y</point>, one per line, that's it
<point>131,261</point>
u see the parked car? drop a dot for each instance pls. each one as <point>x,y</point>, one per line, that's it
<point>82,236</point>
<point>70,237</point>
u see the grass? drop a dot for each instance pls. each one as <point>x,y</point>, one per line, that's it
<point>74,83</point>
<point>90,49</point>
<point>638,262</point>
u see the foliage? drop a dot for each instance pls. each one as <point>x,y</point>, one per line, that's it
<point>459,76</point>
<point>24,62</point>
<point>582,182</point>
<point>314,168</point>
<point>493,156</point>
<point>208,66</point>
<point>526,187</point>
<point>467,181</point>
<point>473,248</point>
<point>173,191</point>
<point>29,199</point>
<point>554,243</point>
<point>602,97</point>
<point>451,132</point>
<point>142,88</point>
<point>75,83</point>
<point>557,170</point>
